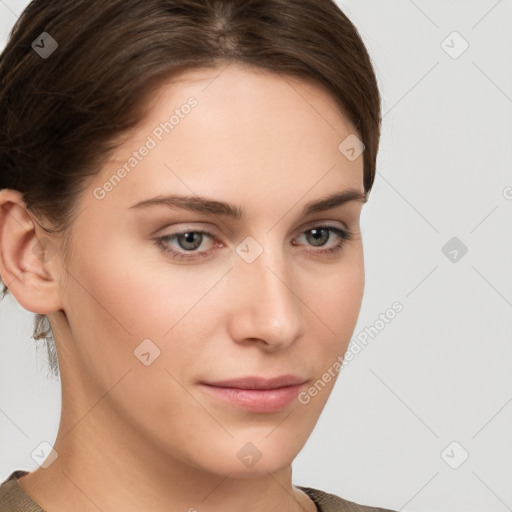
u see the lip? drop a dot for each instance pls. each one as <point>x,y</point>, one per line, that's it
<point>257,394</point>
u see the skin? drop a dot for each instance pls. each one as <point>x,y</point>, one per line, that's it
<point>134,437</point>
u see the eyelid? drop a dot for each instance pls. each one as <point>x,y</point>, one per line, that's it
<point>179,228</point>
<point>322,222</point>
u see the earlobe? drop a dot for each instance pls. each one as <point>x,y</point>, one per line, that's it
<point>26,257</point>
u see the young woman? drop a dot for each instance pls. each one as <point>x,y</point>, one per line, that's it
<point>182,182</point>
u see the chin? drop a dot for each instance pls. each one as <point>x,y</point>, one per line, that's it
<point>252,456</point>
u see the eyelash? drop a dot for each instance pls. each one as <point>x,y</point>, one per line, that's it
<point>344,234</point>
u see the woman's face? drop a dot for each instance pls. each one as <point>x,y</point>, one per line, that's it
<point>154,317</point>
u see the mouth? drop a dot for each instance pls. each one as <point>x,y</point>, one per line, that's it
<point>257,394</point>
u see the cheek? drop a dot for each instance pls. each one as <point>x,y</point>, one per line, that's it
<point>335,296</point>
<point>119,297</point>
<point>129,287</point>
<point>336,310</point>
<point>333,305</point>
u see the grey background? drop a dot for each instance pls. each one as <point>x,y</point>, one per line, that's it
<point>440,371</point>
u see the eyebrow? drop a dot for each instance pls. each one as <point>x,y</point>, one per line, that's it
<point>206,205</point>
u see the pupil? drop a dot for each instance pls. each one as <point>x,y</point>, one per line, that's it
<point>189,239</point>
<point>319,235</point>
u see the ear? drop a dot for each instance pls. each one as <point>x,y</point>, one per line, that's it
<point>28,257</point>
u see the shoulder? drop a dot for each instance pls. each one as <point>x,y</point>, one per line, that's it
<point>13,498</point>
<point>331,503</point>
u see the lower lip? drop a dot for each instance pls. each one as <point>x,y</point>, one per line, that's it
<point>256,400</point>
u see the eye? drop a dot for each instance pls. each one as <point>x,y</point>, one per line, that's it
<point>318,236</point>
<point>189,241</point>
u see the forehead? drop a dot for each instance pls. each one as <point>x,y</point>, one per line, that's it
<point>236,95</point>
<point>236,128</point>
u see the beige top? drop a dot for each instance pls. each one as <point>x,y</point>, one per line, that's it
<point>14,499</point>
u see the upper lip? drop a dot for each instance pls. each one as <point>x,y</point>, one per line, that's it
<point>259,382</point>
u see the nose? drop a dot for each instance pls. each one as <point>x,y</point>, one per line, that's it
<point>265,307</point>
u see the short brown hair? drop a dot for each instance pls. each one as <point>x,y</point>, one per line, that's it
<point>62,116</point>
